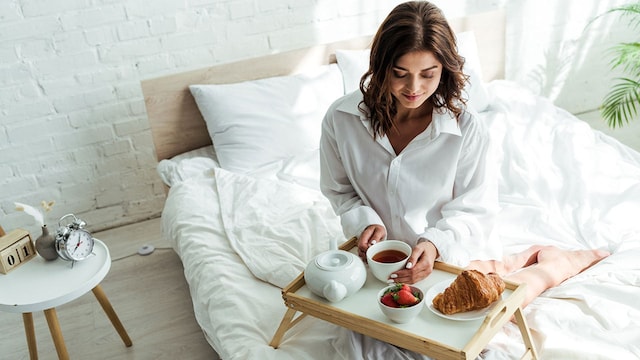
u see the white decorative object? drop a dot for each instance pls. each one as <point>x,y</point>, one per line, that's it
<point>335,274</point>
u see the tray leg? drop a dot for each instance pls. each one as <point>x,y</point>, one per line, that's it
<point>285,325</point>
<point>530,351</point>
<point>30,331</point>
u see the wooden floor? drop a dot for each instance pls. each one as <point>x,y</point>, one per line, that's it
<point>149,294</point>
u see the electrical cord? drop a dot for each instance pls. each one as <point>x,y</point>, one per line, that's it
<point>139,254</point>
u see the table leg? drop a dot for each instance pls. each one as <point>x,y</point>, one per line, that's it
<point>56,333</point>
<point>111,314</point>
<point>30,331</point>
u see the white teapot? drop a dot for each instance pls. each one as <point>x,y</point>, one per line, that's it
<point>335,274</point>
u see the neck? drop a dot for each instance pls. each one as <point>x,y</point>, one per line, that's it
<point>414,114</point>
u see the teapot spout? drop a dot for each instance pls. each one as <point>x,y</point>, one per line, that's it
<point>334,291</point>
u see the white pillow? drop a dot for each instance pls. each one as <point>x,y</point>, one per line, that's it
<point>255,123</point>
<point>354,63</point>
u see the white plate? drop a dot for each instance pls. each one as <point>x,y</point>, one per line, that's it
<point>462,316</point>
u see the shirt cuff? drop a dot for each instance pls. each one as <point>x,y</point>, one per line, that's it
<point>449,250</point>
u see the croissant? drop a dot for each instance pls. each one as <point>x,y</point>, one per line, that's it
<point>471,290</point>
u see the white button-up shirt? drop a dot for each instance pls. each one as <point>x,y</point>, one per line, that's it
<point>442,186</point>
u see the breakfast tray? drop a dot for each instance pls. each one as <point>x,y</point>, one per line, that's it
<point>429,334</point>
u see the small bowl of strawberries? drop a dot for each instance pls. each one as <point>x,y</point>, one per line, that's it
<point>401,303</point>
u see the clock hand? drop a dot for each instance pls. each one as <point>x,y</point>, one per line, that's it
<point>76,248</point>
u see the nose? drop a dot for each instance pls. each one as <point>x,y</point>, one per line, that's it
<point>412,84</point>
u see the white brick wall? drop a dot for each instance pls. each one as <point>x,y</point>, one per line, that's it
<point>73,126</point>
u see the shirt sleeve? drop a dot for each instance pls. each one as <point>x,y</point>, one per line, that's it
<point>465,231</point>
<point>335,185</point>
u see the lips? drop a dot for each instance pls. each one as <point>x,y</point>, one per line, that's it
<point>411,97</point>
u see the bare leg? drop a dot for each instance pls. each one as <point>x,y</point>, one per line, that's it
<point>540,267</point>
<point>553,267</point>
<point>510,263</point>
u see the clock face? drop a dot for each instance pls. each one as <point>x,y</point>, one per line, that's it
<point>79,245</point>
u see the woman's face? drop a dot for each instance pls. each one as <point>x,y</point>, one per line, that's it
<point>414,78</point>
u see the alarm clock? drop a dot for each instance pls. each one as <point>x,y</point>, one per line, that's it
<point>73,242</point>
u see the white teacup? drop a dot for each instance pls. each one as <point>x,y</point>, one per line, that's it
<point>383,258</point>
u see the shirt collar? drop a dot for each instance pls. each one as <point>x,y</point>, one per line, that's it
<point>350,104</point>
<point>444,122</point>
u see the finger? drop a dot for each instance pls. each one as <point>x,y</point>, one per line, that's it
<point>401,278</point>
<point>416,253</point>
<point>410,276</point>
<point>363,240</point>
<point>379,233</point>
<point>368,232</point>
<point>373,235</point>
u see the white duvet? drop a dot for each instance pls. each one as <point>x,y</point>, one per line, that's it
<point>241,238</point>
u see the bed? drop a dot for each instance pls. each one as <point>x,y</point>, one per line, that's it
<point>237,150</point>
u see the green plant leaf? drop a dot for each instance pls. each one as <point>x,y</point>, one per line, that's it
<point>628,57</point>
<point>630,11</point>
<point>622,102</point>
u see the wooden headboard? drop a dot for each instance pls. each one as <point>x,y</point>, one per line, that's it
<point>177,125</point>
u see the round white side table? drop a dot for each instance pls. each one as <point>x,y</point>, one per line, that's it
<point>41,285</point>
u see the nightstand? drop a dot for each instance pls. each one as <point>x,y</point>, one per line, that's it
<point>41,285</point>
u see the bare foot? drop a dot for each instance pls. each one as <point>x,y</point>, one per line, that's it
<point>567,263</point>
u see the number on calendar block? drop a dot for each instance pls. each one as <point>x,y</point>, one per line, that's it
<point>16,248</point>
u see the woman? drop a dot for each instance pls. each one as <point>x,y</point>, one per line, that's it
<point>402,158</point>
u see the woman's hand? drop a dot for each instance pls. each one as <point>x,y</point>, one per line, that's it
<point>419,265</point>
<point>370,235</point>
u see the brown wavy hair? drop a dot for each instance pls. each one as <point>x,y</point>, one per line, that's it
<point>411,26</point>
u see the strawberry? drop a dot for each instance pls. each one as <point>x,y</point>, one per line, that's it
<point>388,300</point>
<point>405,287</point>
<point>406,298</point>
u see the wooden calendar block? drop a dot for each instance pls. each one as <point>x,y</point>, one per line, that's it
<point>16,248</point>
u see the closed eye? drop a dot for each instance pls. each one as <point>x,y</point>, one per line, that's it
<point>427,73</point>
<point>399,74</point>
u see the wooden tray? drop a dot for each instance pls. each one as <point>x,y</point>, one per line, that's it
<point>428,334</point>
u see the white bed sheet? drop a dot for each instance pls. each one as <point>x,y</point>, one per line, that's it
<point>561,183</point>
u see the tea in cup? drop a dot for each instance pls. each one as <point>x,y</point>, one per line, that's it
<point>386,257</point>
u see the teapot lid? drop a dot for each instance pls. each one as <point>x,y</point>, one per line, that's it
<point>334,260</point>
